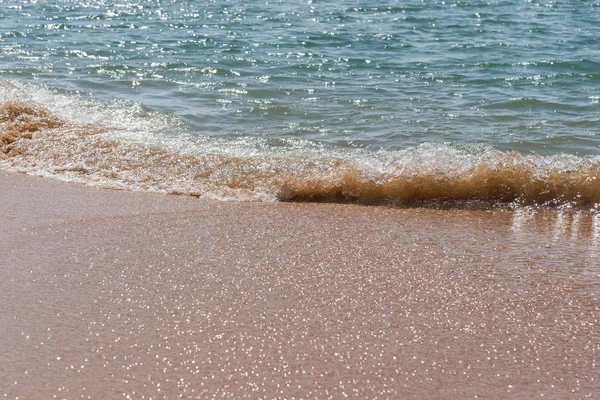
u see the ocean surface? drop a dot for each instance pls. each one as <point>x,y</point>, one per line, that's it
<point>436,103</point>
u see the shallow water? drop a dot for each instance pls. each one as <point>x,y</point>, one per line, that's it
<point>33,139</point>
<point>147,296</point>
<point>513,74</point>
<point>328,100</point>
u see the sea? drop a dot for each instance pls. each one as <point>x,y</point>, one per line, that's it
<point>460,104</point>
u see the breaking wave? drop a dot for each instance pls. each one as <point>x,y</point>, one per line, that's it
<point>124,146</point>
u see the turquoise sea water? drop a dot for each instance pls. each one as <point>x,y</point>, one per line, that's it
<point>267,96</point>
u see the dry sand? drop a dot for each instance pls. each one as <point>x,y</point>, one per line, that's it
<point>108,294</point>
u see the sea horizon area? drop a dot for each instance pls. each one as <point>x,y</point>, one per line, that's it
<point>118,294</point>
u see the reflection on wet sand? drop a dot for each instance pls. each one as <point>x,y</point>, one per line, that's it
<point>112,294</point>
<point>596,231</point>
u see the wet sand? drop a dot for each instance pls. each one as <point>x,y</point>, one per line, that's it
<point>113,294</point>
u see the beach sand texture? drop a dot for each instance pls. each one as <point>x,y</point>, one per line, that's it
<point>113,294</point>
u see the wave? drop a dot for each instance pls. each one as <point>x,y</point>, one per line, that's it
<point>50,134</point>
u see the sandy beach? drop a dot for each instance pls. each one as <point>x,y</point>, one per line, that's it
<point>114,294</point>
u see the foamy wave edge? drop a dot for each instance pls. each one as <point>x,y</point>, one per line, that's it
<point>129,152</point>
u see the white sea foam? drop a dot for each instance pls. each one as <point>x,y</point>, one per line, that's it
<point>124,145</point>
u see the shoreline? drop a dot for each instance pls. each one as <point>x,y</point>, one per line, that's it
<point>111,293</point>
<point>36,140</point>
